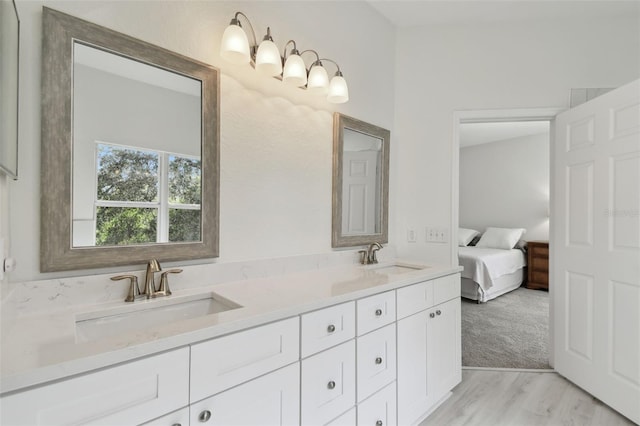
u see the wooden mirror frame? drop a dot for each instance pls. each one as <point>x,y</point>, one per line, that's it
<point>340,122</point>
<point>56,249</point>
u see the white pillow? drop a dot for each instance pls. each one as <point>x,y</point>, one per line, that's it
<point>465,236</point>
<point>501,238</point>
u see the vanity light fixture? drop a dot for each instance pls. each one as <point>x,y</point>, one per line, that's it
<point>266,58</point>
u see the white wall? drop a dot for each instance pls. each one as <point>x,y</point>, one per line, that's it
<point>276,141</point>
<point>441,69</point>
<point>506,184</point>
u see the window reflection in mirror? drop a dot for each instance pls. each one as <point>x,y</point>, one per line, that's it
<point>136,152</point>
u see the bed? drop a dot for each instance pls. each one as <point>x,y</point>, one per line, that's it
<point>489,272</point>
<point>493,262</point>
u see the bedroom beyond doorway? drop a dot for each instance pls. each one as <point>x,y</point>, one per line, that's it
<point>504,204</point>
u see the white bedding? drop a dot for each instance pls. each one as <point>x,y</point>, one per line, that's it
<point>485,265</point>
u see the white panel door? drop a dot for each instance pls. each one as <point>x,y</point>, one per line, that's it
<point>595,248</point>
<point>359,183</point>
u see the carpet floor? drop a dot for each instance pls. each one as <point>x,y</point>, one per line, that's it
<point>511,331</point>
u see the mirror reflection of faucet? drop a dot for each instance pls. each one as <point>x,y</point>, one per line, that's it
<point>368,256</point>
<point>150,290</point>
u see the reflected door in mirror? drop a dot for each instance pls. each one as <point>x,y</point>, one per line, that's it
<point>136,152</point>
<point>361,181</point>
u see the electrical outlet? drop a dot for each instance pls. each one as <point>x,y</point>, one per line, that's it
<point>411,235</point>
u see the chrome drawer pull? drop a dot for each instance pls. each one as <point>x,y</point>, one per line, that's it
<point>378,360</point>
<point>331,384</point>
<point>379,423</point>
<point>378,312</point>
<point>204,416</point>
<point>432,315</point>
<point>438,312</point>
<point>331,328</point>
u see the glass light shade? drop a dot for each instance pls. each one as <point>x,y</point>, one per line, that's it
<point>295,72</point>
<point>235,45</point>
<point>338,90</point>
<point>268,59</point>
<point>318,81</point>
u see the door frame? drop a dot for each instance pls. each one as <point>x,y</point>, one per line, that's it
<point>506,115</point>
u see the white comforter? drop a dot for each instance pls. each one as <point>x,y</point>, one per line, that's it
<point>483,265</point>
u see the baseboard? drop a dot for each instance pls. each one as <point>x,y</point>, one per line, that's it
<point>515,370</point>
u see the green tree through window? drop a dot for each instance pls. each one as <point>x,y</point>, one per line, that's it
<point>129,200</point>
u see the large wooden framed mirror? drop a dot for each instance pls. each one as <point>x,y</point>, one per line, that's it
<point>130,150</point>
<point>360,182</point>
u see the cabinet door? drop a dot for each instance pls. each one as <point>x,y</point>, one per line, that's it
<point>380,409</point>
<point>130,393</point>
<point>414,396</point>
<point>376,360</point>
<point>429,359</point>
<point>328,384</point>
<point>444,369</point>
<point>271,400</point>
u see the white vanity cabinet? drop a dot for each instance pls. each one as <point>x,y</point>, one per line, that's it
<point>429,348</point>
<point>126,394</point>
<point>381,360</point>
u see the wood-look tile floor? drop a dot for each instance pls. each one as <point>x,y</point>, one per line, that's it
<point>513,398</point>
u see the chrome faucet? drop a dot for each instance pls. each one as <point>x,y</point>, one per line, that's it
<point>368,256</point>
<point>149,282</point>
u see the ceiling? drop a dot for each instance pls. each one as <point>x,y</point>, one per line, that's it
<point>479,133</point>
<point>407,13</point>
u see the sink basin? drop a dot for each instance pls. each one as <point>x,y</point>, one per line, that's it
<point>141,315</point>
<point>396,269</point>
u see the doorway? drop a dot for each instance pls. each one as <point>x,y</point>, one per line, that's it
<point>484,336</point>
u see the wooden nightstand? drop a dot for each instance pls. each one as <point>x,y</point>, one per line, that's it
<point>538,265</point>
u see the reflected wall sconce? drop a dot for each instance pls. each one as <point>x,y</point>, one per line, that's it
<point>288,67</point>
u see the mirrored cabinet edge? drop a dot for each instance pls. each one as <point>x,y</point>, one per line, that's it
<point>56,249</point>
<point>381,232</point>
<point>9,131</point>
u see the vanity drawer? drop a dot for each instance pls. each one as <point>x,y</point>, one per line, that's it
<point>130,393</point>
<point>380,409</point>
<point>327,327</point>
<point>446,288</point>
<point>269,400</point>
<point>376,360</point>
<point>414,298</point>
<point>227,361</point>
<point>328,384</point>
<point>375,311</point>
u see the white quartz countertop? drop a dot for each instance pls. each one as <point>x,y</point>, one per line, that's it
<point>42,347</point>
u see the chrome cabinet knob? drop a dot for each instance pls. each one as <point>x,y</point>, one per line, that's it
<point>204,416</point>
<point>331,328</point>
<point>438,312</point>
<point>432,315</point>
<point>378,312</point>
<point>379,423</point>
<point>176,424</point>
<point>378,360</point>
<point>331,384</point>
